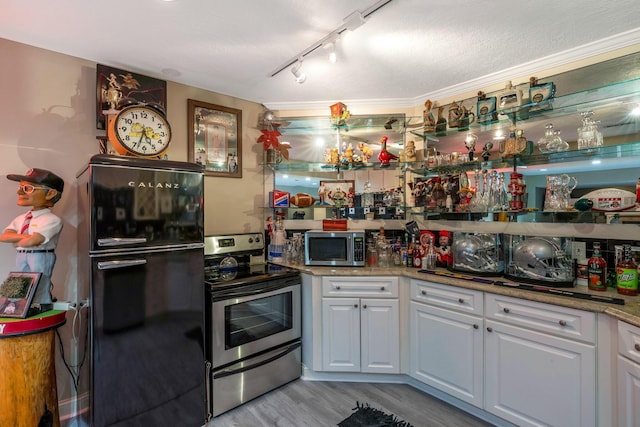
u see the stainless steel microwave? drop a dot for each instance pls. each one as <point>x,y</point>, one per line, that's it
<point>334,248</point>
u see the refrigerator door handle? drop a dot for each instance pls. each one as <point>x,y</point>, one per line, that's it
<point>117,241</point>
<point>109,265</point>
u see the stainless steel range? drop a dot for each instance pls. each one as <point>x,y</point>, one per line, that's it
<point>252,322</point>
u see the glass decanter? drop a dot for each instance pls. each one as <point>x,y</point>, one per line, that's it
<point>557,143</point>
<point>543,143</point>
<point>588,134</point>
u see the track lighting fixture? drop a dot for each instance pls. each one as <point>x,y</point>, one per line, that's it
<point>295,70</point>
<point>350,23</point>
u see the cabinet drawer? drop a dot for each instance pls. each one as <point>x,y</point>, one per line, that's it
<point>368,287</point>
<point>451,297</point>
<point>629,341</point>
<point>552,319</point>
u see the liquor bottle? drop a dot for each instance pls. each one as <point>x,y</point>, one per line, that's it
<point>397,257</point>
<point>597,270</point>
<point>627,273</point>
<point>417,255</point>
<point>403,254</point>
<point>410,252</point>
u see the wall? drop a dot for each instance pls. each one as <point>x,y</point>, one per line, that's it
<point>47,121</point>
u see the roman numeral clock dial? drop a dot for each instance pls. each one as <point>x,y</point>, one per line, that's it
<point>139,130</point>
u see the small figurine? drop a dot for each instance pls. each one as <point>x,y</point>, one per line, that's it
<point>348,153</point>
<point>335,156</point>
<point>35,233</point>
<point>385,156</point>
<point>441,124</point>
<point>429,120</point>
<point>445,259</point>
<point>365,150</point>
<point>410,151</point>
<point>322,194</point>
<point>486,151</point>
<point>470,142</point>
<point>338,197</point>
<point>351,197</point>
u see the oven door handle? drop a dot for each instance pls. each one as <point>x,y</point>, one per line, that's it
<point>110,265</point>
<point>265,359</point>
<point>256,289</point>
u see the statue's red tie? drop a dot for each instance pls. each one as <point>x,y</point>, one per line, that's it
<point>27,221</point>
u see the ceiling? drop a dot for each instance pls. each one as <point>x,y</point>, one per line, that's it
<point>404,52</point>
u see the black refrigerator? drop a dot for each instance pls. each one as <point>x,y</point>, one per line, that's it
<point>140,261</point>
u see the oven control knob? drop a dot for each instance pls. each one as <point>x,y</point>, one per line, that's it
<point>250,239</point>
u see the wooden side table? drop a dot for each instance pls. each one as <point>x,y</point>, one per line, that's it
<point>28,370</point>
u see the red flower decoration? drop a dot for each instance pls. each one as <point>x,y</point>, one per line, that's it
<point>269,138</point>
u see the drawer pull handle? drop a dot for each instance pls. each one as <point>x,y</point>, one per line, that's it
<point>364,306</point>
<point>475,326</point>
<point>563,323</point>
<point>461,301</point>
<point>489,329</point>
<point>637,347</point>
<point>382,288</point>
<point>355,305</point>
<point>506,310</point>
<point>423,292</point>
<point>337,288</point>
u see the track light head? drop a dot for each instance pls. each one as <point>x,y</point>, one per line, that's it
<point>295,70</point>
<point>331,47</point>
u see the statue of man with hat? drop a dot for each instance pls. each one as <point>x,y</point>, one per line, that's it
<point>35,233</point>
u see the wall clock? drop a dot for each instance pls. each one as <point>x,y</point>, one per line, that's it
<point>139,130</point>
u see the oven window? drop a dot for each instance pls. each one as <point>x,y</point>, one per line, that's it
<point>328,249</point>
<point>256,319</point>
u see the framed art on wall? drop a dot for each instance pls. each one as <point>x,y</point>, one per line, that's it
<point>338,193</point>
<point>215,138</point>
<point>114,85</point>
<point>16,293</point>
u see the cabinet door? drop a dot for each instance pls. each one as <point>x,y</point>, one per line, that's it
<point>534,379</point>
<point>446,351</point>
<point>341,334</point>
<point>380,336</point>
<point>628,392</point>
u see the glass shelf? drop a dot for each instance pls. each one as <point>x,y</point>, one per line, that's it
<point>609,152</point>
<point>521,216</point>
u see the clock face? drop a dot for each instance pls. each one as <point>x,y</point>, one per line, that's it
<point>140,131</point>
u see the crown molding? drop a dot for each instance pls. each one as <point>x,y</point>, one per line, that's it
<point>599,47</point>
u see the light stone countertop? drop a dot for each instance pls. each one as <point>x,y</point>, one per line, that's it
<point>629,312</point>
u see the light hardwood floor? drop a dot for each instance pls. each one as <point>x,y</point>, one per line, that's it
<point>323,404</point>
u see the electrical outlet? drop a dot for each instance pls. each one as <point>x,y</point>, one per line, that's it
<point>578,250</point>
<point>63,305</point>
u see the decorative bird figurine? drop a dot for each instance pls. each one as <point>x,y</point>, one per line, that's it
<point>385,156</point>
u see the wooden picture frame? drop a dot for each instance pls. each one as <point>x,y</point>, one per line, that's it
<point>331,186</point>
<point>16,293</point>
<point>215,138</point>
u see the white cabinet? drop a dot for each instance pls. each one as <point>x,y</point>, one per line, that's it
<point>446,343</point>
<point>540,364</point>
<point>361,323</point>
<point>628,396</point>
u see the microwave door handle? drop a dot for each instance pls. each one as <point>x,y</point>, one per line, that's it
<point>110,265</point>
<point>119,241</point>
